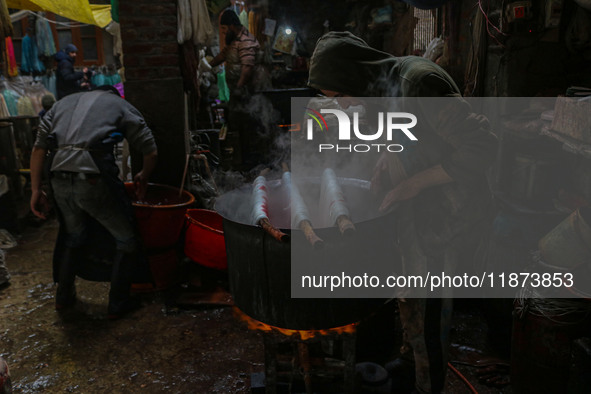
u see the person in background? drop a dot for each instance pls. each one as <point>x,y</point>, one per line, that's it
<point>86,187</point>
<point>246,76</point>
<point>47,102</point>
<point>437,186</point>
<point>68,80</point>
<point>243,56</point>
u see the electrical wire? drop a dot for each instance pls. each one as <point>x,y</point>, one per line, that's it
<point>65,24</point>
<point>489,23</point>
<point>462,378</point>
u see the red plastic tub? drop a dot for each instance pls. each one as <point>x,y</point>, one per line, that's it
<point>204,239</point>
<point>161,214</point>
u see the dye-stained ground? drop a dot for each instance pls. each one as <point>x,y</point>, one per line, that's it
<point>182,340</point>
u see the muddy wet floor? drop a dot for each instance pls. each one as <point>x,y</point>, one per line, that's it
<point>155,349</point>
<point>193,346</point>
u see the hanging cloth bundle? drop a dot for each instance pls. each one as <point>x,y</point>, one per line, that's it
<point>12,68</point>
<point>202,28</point>
<point>25,107</point>
<point>5,24</point>
<point>48,81</point>
<point>98,79</point>
<point>185,29</point>
<point>4,113</point>
<point>11,99</point>
<point>45,43</point>
<point>29,56</point>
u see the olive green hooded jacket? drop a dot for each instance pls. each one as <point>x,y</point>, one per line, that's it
<point>463,146</point>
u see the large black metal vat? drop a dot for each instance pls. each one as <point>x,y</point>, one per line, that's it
<point>259,267</point>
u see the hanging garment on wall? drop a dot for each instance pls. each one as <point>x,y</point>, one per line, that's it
<point>4,113</point>
<point>98,79</point>
<point>12,68</point>
<point>45,43</point>
<point>114,29</point>
<point>35,91</point>
<point>115,79</point>
<point>5,24</point>
<point>30,62</point>
<point>48,80</point>
<point>244,19</point>
<point>256,26</point>
<point>185,29</point>
<point>251,23</point>
<point>25,107</point>
<point>11,99</point>
<point>202,28</point>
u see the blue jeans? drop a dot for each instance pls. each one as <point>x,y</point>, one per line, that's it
<point>79,198</point>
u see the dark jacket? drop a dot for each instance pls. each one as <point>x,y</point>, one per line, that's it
<point>67,80</point>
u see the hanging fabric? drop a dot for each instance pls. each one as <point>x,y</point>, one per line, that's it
<point>29,56</point>
<point>114,29</point>
<point>45,43</point>
<point>185,29</point>
<point>26,55</point>
<point>25,107</point>
<point>48,80</point>
<point>12,68</point>
<point>251,22</point>
<point>202,27</point>
<point>11,99</point>
<point>5,24</point>
<point>98,79</point>
<point>4,113</point>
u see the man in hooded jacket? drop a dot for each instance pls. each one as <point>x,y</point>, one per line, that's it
<point>436,186</point>
<point>68,80</point>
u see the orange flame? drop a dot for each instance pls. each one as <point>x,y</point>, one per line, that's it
<point>291,127</point>
<point>304,334</point>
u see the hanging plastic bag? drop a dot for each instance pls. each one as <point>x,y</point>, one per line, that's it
<point>224,91</point>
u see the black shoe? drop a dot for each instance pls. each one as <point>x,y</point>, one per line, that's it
<point>65,297</point>
<point>118,310</point>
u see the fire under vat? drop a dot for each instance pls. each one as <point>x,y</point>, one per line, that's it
<point>259,265</point>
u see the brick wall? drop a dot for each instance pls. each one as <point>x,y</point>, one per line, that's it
<point>153,81</point>
<point>148,32</point>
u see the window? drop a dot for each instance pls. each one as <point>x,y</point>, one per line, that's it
<point>425,29</point>
<point>87,38</point>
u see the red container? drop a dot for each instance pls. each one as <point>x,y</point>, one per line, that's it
<point>161,214</point>
<point>204,239</point>
<point>163,265</point>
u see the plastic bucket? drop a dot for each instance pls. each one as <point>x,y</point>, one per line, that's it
<point>204,238</point>
<point>161,214</point>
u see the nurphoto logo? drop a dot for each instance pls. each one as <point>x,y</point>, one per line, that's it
<point>389,122</point>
